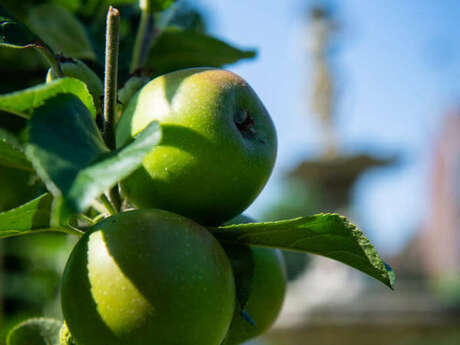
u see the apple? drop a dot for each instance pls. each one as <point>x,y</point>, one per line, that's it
<point>148,277</point>
<point>218,147</point>
<point>266,296</point>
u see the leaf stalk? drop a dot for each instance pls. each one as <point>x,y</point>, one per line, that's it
<point>51,58</point>
<point>143,37</point>
<point>69,230</point>
<point>108,205</point>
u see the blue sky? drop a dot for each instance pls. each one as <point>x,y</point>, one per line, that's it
<point>399,72</point>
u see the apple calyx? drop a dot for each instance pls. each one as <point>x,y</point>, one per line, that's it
<point>245,123</point>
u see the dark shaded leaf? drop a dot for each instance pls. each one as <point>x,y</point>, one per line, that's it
<point>329,235</point>
<point>37,331</point>
<point>13,33</point>
<point>31,217</point>
<point>24,102</point>
<point>188,17</point>
<point>242,261</point>
<point>61,30</point>
<point>67,151</point>
<point>177,49</point>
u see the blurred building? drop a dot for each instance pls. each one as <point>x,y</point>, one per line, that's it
<point>331,304</point>
<point>440,239</point>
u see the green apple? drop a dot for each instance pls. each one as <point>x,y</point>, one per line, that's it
<point>218,147</point>
<point>148,277</point>
<point>268,287</point>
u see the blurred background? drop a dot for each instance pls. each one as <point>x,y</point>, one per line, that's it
<point>365,96</point>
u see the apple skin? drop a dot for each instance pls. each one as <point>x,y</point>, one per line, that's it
<point>268,289</point>
<point>218,148</point>
<point>148,277</point>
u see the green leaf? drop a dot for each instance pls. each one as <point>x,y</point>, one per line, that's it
<point>131,86</point>
<point>37,331</point>
<point>31,217</point>
<point>73,5</point>
<point>153,5</point>
<point>188,17</point>
<point>329,235</point>
<point>176,49</point>
<point>24,102</point>
<point>11,152</point>
<point>75,68</point>
<point>67,151</point>
<point>61,30</point>
<point>13,33</point>
<point>159,5</point>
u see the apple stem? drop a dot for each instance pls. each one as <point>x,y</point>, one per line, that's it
<point>110,92</point>
<point>111,74</point>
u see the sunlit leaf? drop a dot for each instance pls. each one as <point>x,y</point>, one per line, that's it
<point>329,235</point>
<point>24,102</point>
<point>33,216</point>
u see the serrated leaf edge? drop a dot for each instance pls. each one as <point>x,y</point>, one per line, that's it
<point>60,89</point>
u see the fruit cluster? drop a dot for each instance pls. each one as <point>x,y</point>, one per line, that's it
<point>156,275</point>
